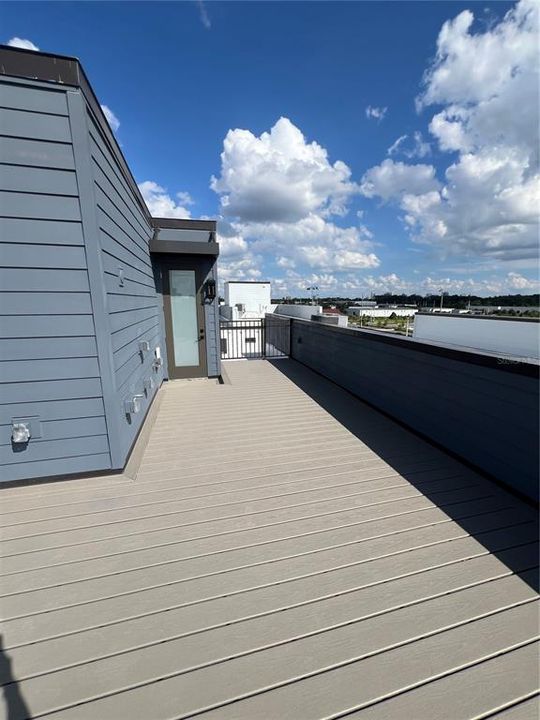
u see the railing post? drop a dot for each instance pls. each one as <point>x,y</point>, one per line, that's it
<point>290,353</point>
<point>263,336</point>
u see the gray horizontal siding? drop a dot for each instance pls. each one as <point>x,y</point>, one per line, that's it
<point>37,126</point>
<point>32,205</point>
<point>36,153</point>
<point>40,100</point>
<point>48,355</point>
<point>27,370</point>
<point>48,232</point>
<point>57,410</point>
<point>61,429</point>
<point>83,463</point>
<point>25,303</point>
<point>43,348</point>
<point>22,255</point>
<point>485,415</point>
<point>132,304</point>
<point>51,390</point>
<point>38,180</point>
<point>43,280</point>
<point>52,326</point>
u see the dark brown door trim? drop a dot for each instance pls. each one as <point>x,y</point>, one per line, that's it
<point>198,267</point>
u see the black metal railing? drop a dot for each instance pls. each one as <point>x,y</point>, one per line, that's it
<point>258,338</point>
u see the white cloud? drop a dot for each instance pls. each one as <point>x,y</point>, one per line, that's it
<point>161,204</point>
<point>279,177</point>
<point>315,242</point>
<point>356,285</point>
<point>391,179</point>
<point>245,268</point>
<point>111,118</point>
<point>376,113</point>
<point>203,14</point>
<point>518,282</point>
<point>280,191</point>
<point>22,43</point>
<point>416,147</point>
<point>487,84</point>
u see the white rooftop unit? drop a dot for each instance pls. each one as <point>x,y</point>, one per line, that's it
<point>252,297</point>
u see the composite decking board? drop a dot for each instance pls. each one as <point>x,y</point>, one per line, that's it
<point>200,523</point>
<point>233,507</point>
<point>246,490</point>
<point>81,616</point>
<point>326,522</point>
<point>254,637</point>
<point>371,469</point>
<point>499,684</point>
<point>57,575</point>
<point>329,556</point>
<point>214,618</point>
<point>290,559</point>
<point>171,484</point>
<point>523,709</point>
<point>339,673</point>
<point>175,478</point>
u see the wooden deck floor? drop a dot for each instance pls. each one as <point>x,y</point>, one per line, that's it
<point>285,552</point>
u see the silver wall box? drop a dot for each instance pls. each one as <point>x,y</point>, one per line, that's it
<point>133,406</point>
<point>20,432</point>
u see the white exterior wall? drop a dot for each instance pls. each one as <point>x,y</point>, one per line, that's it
<point>510,337</point>
<point>253,295</point>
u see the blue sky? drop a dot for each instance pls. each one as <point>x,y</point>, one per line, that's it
<point>370,146</point>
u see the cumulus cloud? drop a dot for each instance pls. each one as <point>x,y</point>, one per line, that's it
<point>518,282</point>
<point>111,118</point>
<point>279,177</point>
<point>376,113</point>
<point>161,204</point>
<point>487,85</point>
<point>315,242</point>
<point>356,285</point>
<point>279,193</point>
<point>391,179</point>
<point>22,43</point>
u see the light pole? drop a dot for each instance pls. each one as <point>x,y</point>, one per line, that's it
<point>442,296</point>
<point>313,289</point>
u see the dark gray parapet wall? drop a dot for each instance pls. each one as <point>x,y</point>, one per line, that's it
<point>481,407</point>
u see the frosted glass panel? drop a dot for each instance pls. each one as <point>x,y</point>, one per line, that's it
<point>184,317</point>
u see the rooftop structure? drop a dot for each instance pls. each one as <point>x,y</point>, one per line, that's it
<point>100,302</point>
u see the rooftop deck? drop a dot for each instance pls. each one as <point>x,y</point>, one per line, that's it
<point>285,552</point>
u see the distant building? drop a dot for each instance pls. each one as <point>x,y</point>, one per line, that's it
<point>386,311</point>
<point>246,300</point>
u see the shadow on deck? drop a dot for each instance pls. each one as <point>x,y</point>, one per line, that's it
<point>521,559</point>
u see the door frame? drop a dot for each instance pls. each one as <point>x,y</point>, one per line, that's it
<point>198,265</point>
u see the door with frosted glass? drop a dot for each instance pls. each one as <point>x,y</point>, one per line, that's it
<point>184,320</point>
